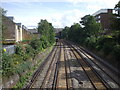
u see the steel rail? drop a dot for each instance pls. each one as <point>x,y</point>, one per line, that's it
<point>48,70</point>
<point>99,68</point>
<point>39,70</point>
<point>89,72</point>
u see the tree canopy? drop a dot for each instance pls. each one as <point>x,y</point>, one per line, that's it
<point>91,27</point>
<point>47,31</point>
<point>117,8</point>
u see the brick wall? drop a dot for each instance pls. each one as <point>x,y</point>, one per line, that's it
<point>105,18</point>
<point>26,35</point>
<point>9,25</point>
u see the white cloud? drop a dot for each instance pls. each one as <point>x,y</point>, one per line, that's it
<point>66,19</point>
<point>93,7</point>
<point>28,21</point>
<point>95,4</point>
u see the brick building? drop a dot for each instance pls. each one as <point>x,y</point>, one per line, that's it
<point>34,33</point>
<point>14,31</point>
<point>104,16</point>
<point>11,31</point>
<point>26,35</point>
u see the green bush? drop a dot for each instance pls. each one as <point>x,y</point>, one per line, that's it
<point>19,49</point>
<point>7,65</point>
<point>107,48</point>
<point>17,63</point>
<point>35,44</point>
<point>23,67</point>
<point>91,42</point>
<point>116,51</point>
<point>29,51</point>
<point>45,42</point>
<point>17,59</point>
<point>11,64</point>
<point>105,43</point>
<point>25,40</point>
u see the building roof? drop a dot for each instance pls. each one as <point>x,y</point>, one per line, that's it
<point>101,11</point>
<point>11,18</point>
<point>33,30</point>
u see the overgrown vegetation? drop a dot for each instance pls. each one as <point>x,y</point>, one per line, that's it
<point>91,35</point>
<point>24,79</point>
<point>24,53</point>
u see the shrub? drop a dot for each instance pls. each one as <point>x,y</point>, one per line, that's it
<point>19,49</point>
<point>105,43</point>
<point>23,67</point>
<point>116,52</point>
<point>35,44</point>
<point>25,40</point>
<point>29,50</point>
<point>45,42</point>
<point>7,65</point>
<point>91,42</point>
<point>107,48</point>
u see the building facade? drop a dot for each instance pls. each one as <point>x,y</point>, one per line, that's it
<point>8,31</point>
<point>26,35</point>
<point>18,32</point>
<point>104,16</point>
<point>14,31</point>
<point>34,33</point>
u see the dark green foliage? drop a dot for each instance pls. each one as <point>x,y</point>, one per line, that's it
<point>116,19</point>
<point>91,27</point>
<point>20,61</point>
<point>35,44</point>
<point>91,42</point>
<point>44,41</point>
<point>116,51</point>
<point>65,32</point>
<point>23,80</point>
<point>25,40</point>
<point>73,33</point>
<point>11,64</point>
<point>47,33</point>
<point>29,49</point>
<point>7,65</point>
<point>19,49</point>
<point>90,36</point>
<point>117,8</point>
<point>22,67</point>
<point>86,35</point>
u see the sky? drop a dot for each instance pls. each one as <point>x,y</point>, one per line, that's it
<point>60,13</point>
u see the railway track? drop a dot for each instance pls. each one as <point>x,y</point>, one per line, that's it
<point>40,70</point>
<point>70,67</point>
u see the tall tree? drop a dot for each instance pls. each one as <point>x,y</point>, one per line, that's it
<point>47,31</point>
<point>74,32</point>
<point>116,20</point>
<point>91,27</point>
<point>117,8</point>
<point>65,32</point>
<point>3,11</point>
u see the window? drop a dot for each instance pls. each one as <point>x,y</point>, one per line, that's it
<point>99,17</point>
<point>18,27</point>
<point>98,21</point>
